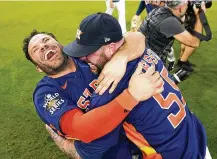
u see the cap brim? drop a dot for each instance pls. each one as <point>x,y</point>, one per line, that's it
<point>76,50</point>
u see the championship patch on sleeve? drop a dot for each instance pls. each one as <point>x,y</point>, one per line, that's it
<point>52,102</point>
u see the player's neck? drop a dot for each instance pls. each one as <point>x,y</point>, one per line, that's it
<point>71,67</point>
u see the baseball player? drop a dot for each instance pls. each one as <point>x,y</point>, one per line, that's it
<point>162,126</point>
<point>120,5</point>
<point>62,98</point>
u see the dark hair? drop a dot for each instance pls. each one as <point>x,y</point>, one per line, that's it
<point>27,40</point>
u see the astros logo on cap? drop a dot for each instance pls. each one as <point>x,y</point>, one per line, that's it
<point>78,34</point>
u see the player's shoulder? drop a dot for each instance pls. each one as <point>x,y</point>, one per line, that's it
<point>46,82</point>
<point>49,94</point>
<point>46,85</point>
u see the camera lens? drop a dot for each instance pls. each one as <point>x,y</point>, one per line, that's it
<point>180,75</point>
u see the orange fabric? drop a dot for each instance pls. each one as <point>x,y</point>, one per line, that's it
<point>97,122</point>
<point>153,156</point>
<point>166,103</point>
<point>58,132</point>
<point>126,100</point>
<point>134,136</point>
<point>139,141</point>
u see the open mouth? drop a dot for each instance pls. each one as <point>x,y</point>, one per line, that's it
<point>49,54</point>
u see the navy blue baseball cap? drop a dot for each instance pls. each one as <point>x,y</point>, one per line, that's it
<point>94,31</point>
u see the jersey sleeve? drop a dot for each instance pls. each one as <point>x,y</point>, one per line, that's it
<point>51,103</point>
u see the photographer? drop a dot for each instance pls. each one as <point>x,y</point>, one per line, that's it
<point>163,25</point>
<point>190,21</point>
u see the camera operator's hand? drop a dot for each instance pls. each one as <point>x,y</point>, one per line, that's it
<point>196,10</point>
<point>203,6</point>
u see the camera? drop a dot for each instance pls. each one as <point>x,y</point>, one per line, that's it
<point>190,19</point>
<point>208,3</point>
<point>180,75</point>
<point>190,16</point>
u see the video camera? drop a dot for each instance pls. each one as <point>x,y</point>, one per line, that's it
<point>208,3</point>
<point>180,75</point>
<point>190,19</point>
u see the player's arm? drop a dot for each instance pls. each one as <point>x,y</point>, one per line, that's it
<point>142,6</point>
<point>60,112</point>
<point>102,120</point>
<point>111,139</point>
<point>97,122</point>
<point>56,109</point>
<point>133,48</point>
<point>115,69</point>
<point>65,145</point>
<point>77,149</point>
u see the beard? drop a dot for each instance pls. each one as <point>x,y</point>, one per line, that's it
<point>55,69</point>
<point>102,61</point>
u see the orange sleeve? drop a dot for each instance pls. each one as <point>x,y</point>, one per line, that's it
<point>97,122</point>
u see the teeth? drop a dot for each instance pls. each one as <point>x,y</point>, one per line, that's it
<point>45,56</point>
<point>53,51</point>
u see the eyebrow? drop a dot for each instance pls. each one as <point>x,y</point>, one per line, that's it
<point>33,48</point>
<point>36,45</point>
<point>44,38</point>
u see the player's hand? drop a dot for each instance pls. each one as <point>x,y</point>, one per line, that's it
<point>111,74</point>
<point>142,86</point>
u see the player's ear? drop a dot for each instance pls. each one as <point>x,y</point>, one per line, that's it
<point>38,69</point>
<point>112,48</point>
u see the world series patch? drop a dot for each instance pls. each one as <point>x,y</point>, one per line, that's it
<point>52,102</point>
